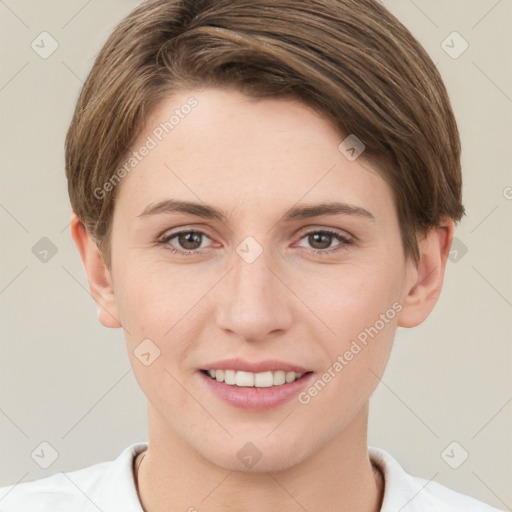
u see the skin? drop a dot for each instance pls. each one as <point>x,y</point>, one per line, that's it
<point>255,159</point>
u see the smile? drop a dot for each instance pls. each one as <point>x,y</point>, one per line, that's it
<point>249,379</point>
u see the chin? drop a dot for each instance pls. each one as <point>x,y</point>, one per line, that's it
<point>253,455</point>
<point>266,464</point>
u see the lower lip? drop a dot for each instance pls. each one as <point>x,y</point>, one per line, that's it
<point>256,399</point>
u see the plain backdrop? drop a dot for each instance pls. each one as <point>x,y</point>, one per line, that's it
<point>66,380</point>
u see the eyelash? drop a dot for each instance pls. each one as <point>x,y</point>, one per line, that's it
<point>322,252</point>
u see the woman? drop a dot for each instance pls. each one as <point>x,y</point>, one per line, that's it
<point>263,191</point>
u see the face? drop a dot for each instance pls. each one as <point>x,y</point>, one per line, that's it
<point>264,280</point>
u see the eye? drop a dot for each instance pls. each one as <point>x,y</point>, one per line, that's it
<point>322,239</point>
<point>189,240</point>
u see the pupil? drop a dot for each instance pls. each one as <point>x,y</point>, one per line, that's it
<point>188,238</point>
<point>317,237</point>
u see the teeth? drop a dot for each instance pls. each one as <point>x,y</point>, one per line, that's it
<point>243,378</point>
<point>290,376</point>
<point>229,376</point>
<point>249,379</point>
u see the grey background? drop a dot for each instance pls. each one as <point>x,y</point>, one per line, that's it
<point>66,380</point>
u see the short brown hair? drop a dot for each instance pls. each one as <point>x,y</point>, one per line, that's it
<point>351,60</point>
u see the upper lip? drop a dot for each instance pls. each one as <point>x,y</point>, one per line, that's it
<point>268,365</point>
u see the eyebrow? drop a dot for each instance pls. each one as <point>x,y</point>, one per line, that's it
<point>295,213</point>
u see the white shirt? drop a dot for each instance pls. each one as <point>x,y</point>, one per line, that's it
<point>110,487</point>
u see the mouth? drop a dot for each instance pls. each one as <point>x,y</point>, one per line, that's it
<point>255,392</point>
<point>244,379</point>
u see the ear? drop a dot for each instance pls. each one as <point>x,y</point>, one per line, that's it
<point>100,281</point>
<point>427,277</point>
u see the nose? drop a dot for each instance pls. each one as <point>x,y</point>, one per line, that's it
<point>254,301</point>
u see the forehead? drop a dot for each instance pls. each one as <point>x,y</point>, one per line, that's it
<point>225,148</point>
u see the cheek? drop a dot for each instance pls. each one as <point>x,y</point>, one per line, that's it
<point>358,306</point>
<point>155,300</point>
<point>349,298</point>
<point>163,316</point>
<point>160,320</point>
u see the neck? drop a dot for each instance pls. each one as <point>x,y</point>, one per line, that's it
<point>337,477</point>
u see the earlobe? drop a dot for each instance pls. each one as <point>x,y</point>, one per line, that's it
<point>98,276</point>
<point>427,277</point>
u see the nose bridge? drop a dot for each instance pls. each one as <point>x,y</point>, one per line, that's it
<point>253,303</point>
<point>251,279</point>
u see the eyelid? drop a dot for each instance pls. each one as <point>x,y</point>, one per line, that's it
<point>316,228</point>
<point>179,229</point>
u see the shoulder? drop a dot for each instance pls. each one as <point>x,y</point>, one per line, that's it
<point>104,486</point>
<point>413,494</point>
